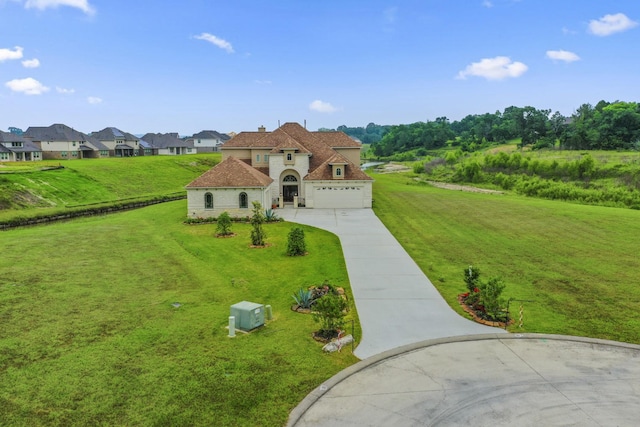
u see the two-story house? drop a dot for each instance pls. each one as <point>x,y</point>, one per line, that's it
<point>208,140</point>
<point>14,148</point>
<point>166,144</point>
<point>289,166</point>
<point>61,142</point>
<point>119,143</point>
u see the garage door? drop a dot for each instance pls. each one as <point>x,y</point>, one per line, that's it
<point>332,196</point>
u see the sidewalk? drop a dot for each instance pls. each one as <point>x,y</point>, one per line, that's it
<point>397,304</point>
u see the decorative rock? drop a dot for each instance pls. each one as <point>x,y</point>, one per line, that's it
<point>337,344</point>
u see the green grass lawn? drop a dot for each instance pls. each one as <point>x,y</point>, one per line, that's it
<point>83,182</point>
<point>578,263</point>
<point>90,336</point>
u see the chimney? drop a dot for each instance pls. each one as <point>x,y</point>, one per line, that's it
<point>262,129</point>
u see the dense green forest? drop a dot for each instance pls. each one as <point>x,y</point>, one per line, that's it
<point>605,126</point>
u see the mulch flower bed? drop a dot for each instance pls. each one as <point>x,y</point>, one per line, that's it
<point>476,317</point>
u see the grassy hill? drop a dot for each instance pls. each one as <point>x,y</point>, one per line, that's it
<point>28,189</point>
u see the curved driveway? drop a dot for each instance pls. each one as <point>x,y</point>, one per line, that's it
<point>397,304</point>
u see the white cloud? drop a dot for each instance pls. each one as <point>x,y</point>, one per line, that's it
<point>7,54</point>
<point>487,4</point>
<point>562,55</point>
<point>221,43</point>
<point>567,31</point>
<point>262,82</point>
<point>28,86</point>
<point>610,24</point>
<point>64,91</point>
<point>497,68</point>
<point>31,63</point>
<point>322,107</point>
<point>83,5</point>
<point>94,100</point>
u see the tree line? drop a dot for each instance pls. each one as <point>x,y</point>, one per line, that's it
<point>605,126</point>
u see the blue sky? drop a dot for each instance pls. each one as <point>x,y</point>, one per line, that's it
<point>189,65</point>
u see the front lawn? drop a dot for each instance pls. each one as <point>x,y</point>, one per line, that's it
<point>578,263</point>
<point>90,334</point>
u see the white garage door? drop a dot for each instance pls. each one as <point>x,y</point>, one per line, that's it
<point>332,196</point>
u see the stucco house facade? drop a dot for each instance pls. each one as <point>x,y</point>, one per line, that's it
<point>290,166</point>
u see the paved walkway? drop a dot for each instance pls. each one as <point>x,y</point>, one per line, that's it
<point>491,380</point>
<point>397,304</point>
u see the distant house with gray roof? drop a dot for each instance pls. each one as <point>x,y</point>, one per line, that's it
<point>14,148</point>
<point>60,142</point>
<point>167,144</point>
<point>208,140</point>
<point>119,143</point>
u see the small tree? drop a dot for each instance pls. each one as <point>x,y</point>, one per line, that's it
<point>329,311</point>
<point>295,244</point>
<point>257,219</point>
<point>224,224</point>
<point>472,278</point>
<point>491,300</point>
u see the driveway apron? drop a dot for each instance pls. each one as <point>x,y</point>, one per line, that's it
<point>397,304</point>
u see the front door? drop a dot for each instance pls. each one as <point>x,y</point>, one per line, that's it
<point>289,191</point>
<point>289,188</point>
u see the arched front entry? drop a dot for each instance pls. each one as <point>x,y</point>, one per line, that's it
<point>290,185</point>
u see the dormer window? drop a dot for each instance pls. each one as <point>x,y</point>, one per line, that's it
<point>338,170</point>
<point>288,157</point>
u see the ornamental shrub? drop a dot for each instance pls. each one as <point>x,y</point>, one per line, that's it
<point>329,311</point>
<point>296,245</point>
<point>257,219</point>
<point>223,227</point>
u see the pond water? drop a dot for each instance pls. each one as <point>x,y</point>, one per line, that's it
<point>370,165</point>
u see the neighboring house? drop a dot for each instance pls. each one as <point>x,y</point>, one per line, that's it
<point>119,143</point>
<point>289,166</point>
<point>14,148</point>
<point>167,144</point>
<point>61,142</point>
<point>208,140</point>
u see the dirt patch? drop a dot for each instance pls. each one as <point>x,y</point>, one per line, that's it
<point>391,168</point>
<point>468,188</point>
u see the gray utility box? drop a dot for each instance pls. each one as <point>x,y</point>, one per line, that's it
<point>249,315</point>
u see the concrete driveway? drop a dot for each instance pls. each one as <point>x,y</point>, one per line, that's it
<point>492,380</point>
<point>397,304</point>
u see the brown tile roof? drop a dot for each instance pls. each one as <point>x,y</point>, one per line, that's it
<point>337,139</point>
<point>248,140</point>
<point>231,173</point>
<point>318,144</point>
<point>325,173</point>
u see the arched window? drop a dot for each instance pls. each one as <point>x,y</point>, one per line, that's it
<point>208,201</point>
<point>244,201</point>
<point>290,178</point>
<point>338,171</point>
